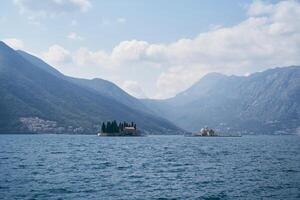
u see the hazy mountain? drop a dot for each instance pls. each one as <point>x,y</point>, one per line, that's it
<point>36,97</point>
<point>267,102</point>
<point>104,87</point>
<point>40,63</point>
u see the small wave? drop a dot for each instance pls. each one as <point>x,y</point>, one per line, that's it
<point>59,190</point>
<point>57,152</point>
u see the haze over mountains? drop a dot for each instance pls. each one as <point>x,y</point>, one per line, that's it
<point>35,97</point>
<point>263,103</point>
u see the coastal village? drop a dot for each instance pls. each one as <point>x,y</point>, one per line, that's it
<point>38,125</point>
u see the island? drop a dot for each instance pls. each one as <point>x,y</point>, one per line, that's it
<point>112,128</point>
<point>208,132</point>
<point>205,132</point>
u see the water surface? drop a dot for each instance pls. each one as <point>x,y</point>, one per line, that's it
<point>156,167</point>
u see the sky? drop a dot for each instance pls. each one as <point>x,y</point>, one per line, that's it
<point>158,48</point>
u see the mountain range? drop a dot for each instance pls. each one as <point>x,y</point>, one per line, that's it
<point>265,102</point>
<point>35,97</point>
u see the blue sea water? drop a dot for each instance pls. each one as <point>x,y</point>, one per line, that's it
<point>155,167</point>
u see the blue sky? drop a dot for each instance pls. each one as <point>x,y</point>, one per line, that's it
<point>152,21</point>
<point>153,48</point>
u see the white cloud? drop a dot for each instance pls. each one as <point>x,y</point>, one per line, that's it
<point>110,21</point>
<point>259,8</point>
<point>269,37</point>
<point>83,56</point>
<point>14,43</point>
<point>133,88</point>
<point>121,20</point>
<point>56,55</point>
<point>50,8</point>
<point>214,27</point>
<point>83,5</point>
<point>129,51</point>
<point>74,36</point>
<point>176,79</point>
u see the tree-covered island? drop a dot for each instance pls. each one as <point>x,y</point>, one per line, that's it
<point>112,128</point>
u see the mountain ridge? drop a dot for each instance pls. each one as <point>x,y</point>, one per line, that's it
<point>35,92</point>
<point>264,102</point>
<point>41,99</point>
<point>102,86</point>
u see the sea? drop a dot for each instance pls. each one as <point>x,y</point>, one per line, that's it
<point>154,167</point>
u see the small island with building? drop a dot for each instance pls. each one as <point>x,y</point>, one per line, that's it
<point>205,132</point>
<point>208,132</point>
<point>112,128</point>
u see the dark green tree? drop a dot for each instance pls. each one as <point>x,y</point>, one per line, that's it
<point>114,126</point>
<point>103,128</point>
<point>109,129</point>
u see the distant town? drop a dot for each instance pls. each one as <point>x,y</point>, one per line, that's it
<point>38,125</point>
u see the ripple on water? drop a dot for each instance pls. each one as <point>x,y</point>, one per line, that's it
<point>169,167</point>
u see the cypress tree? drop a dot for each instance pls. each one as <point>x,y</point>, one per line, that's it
<point>109,127</point>
<point>119,127</point>
<point>103,127</point>
<point>115,126</point>
<point>122,127</point>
